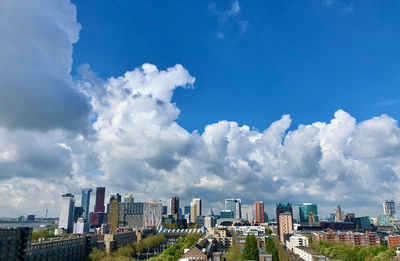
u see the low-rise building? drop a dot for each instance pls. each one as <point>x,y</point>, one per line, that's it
<point>393,241</point>
<point>296,241</point>
<point>308,254</point>
<point>353,238</point>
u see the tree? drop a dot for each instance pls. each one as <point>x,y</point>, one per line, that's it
<point>250,251</point>
<point>97,255</point>
<point>270,248</point>
<point>233,253</point>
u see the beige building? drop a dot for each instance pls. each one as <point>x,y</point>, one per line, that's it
<point>195,209</point>
<point>113,216</point>
<point>286,225</point>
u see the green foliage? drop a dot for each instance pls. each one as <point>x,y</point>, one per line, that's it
<point>282,256</point>
<point>348,252</point>
<point>171,226</point>
<point>175,251</point>
<point>270,248</point>
<point>250,250</point>
<point>148,243</point>
<point>233,253</point>
<point>42,233</point>
<point>268,231</point>
<point>126,251</point>
<point>97,255</point>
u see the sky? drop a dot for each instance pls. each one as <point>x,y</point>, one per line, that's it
<point>293,101</point>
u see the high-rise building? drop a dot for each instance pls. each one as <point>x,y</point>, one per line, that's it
<point>78,212</point>
<point>100,195</point>
<point>113,215</point>
<point>285,222</point>
<point>283,208</point>
<point>259,207</point>
<point>235,205</point>
<point>80,226</point>
<point>186,210</point>
<point>248,213</point>
<point>195,209</point>
<point>308,213</point>
<point>175,207</point>
<point>389,208</point>
<point>115,196</point>
<point>339,214</point>
<point>226,213</point>
<point>67,212</point>
<point>85,201</point>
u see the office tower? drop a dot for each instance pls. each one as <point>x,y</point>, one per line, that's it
<point>100,194</point>
<point>165,210</point>
<point>248,213</point>
<point>113,215</point>
<point>195,209</point>
<point>285,222</point>
<point>78,212</point>
<point>308,213</point>
<point>226,213</point>
<point>389,208</point>
<point>85,201</point>
<point>80,226</point>
<point>186,210</point>
<point>67,212</point>
<point>350,217</point>
<point>235,205</point>
<point>259,207</point>
<point>114,196</point>
<point>175,207</point>
<point>283,208</point>
<point>339,214</point>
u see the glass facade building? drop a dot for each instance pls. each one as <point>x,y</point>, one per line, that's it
<point>308,212</point>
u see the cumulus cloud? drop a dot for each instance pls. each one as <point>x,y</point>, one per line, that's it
<point>36,88</point>
<point>135,143</point>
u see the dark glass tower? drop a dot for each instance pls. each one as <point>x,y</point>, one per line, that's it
<point>85,201</point>
<point>100,194</point>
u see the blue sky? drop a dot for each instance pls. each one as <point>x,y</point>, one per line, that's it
<point>332,65</point>
<point>304,58</point>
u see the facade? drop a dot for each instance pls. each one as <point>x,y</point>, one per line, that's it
<point>113,216</point>
<point>175,207</point>
<point>195,209</point>
<point>14,241</point>
<point>308,254</point>
<point>308,213</point>
<point>286,225</point>
<point>152,214</point>
<point>67,212</point>
<point>78,212</point>
<point>140,214</point>
<point>353,238</point>
<point>114,241</point>
<point>362,223</point>
<point>235,205</point>
<point>100,195</point>
<point>283,208</point>
<point>383,221</point>
<point>296,241</point>
<point>393,241</point>
<point>389,208</point>
<point>248,213</point>
<point>97,219</point>
<point>339,214</point>
<point>259,207</point>
<point>85,202</point>
<point>226,213</point>
<point>186,210</point>
<point>80,226</point>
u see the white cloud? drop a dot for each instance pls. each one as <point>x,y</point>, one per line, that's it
<point>137,143</point>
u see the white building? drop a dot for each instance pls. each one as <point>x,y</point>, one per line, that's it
<point>248,230</point>
<point>296,241</point>
<point>308,254</point>
<point>67,212</point>
<point>235,205</point>
<point>152,214</point>
<point>248,213</point>
<point>81,226</point>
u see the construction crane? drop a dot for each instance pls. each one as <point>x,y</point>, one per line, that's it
<point>130,196</point>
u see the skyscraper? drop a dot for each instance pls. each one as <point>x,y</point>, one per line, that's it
<point>248,213</point>
<point>113,215</point>
<point>339,214</point>
<point>308,212</point>
<point>175,207</point>
<point>195,209</point>
<point>389,208</point>
<point>85,201</point>
<point>235,205</point>
<point>100,194</point>
<point>285,222</point>
<point>67,212</point>
<point>259,207</point>
<point>283,208</point>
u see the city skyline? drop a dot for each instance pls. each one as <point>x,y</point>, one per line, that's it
<point>224,103</point>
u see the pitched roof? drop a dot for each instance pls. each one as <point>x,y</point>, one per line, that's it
<point>195,253</point>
